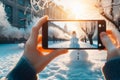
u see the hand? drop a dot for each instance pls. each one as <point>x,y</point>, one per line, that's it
<point>36,58</point>
<point>112,44</point>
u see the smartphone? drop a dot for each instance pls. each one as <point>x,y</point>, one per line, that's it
<point>73,34</point>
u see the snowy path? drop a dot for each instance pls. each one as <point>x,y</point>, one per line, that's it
<point>64,67</point>
<point>66,44</point>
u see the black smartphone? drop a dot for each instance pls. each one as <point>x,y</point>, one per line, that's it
<point>72,34</point>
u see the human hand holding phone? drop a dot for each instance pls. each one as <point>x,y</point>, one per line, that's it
<point>73,34</point>
<point>36,57</point>
<point>111,41</point>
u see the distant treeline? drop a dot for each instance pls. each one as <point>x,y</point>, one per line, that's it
<point>57,39</point>
<point>4,40</point>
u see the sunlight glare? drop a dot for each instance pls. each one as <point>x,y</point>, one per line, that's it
<point>79,10</point>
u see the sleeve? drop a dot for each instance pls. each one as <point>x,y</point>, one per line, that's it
<point>22,71</point>
<point>111,69</point>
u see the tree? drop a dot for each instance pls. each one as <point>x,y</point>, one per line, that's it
<point>110,17</point>
<point>89,31</point>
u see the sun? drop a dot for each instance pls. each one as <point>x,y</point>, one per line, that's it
<point>79,10</point>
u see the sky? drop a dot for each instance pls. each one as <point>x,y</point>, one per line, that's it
<point>85,9</point>
<point>82,9</point>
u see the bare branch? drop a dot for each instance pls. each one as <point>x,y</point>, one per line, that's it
<point>110,20</point>
<point>85,30</point>
<point>100,7</point>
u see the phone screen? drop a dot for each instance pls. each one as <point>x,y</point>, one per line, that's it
<point>74,34</point>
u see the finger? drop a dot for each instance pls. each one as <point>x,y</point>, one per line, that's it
<point>106,41</point>
<point>35,30</point>
<point>41,22</point>
<point>40,49</point>
<point>117,35</point>
<point>56,53</point>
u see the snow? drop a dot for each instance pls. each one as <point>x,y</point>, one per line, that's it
<point>66,44</point>
<point>64,67</point>
<point>75,65</point>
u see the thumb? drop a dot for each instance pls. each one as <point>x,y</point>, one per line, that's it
<point>107,42</point>
<point>56,53</point>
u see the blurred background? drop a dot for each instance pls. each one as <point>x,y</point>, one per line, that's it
<point>17,17</point>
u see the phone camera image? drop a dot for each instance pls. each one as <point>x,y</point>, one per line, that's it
<point>77,34</point>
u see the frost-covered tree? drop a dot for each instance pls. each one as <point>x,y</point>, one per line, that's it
<point>89,31</point>
<point>6,30</point>
<point>110,10</point>
<point>3,18</point>
<point>9,31</point>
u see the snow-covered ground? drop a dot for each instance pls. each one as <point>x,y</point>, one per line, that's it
<point>66,44</point>
<point>75,65</point>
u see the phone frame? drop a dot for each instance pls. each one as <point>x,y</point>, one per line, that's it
<point>101,28</point>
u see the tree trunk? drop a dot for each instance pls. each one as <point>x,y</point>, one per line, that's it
<point>111,11</point>
<point>85,40</point>
<point>90,39</point>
